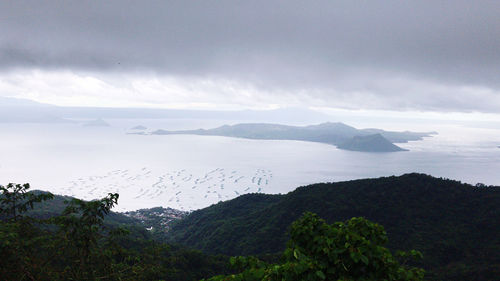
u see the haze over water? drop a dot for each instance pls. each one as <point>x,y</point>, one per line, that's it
<point>417,65</point>
<point>190,172</point>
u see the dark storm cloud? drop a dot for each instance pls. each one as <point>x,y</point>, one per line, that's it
<point>273,44</point>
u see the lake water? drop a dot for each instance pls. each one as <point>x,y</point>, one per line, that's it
<point>191,172</point>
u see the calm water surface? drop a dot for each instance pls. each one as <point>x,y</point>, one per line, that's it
<point>191,172</point>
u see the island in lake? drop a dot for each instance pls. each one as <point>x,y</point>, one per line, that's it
<point>370,143</point>
<point>338,134</point>
<point>96,123</point>
<point>139,128</point>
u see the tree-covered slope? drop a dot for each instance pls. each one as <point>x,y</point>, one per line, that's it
<point>81,242</point>
<point>56,206</point>
<point>455,225</point>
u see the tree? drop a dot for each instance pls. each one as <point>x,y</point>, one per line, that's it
<point>82,231</point>
<point>19,233</point>
<point>78,244</point>
<point>351,250</point>
<point>15,200</point>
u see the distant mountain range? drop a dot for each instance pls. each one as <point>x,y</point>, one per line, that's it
<point>14,110</point>
<point>339,134</point>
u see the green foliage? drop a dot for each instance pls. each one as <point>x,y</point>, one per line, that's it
<point>79,245</point>
<point>353,250</point>
<point>80,231</point>
<point>15,200</point>
<point>451,223</point>
<point>19,234</point>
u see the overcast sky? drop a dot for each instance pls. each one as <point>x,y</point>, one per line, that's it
<point>441,56</point>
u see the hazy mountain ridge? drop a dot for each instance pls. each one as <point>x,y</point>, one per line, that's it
<point>96,123</point>
<point>139,128</point>
<point>28,111</point>
<point>339,134</point>
<point>14,110</point>
<point>370,143</point>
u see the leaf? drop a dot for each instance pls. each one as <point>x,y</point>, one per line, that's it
<point>364,259</point>
<point>354,256</point>
<point>320,274</point>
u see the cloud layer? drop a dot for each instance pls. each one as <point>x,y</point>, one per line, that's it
<point>399,55</point>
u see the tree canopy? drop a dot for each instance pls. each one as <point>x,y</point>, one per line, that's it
<point>79,245</point>
<point>351,250</point>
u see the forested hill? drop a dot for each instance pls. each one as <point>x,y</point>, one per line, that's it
<point>156,220</point>
<point>56,206</point>
<point>455,225</point>
<point>83,240</point>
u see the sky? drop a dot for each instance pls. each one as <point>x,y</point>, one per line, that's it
<point>396,56</point>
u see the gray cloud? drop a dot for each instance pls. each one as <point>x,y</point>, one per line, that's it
<point>335,46</point>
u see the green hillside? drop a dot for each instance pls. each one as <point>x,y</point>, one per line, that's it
<point>454,225</point>
<point>56,206</point>
<point>83,240</point>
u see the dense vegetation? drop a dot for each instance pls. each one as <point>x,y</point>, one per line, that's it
<point>77,244</point>
<point>353,250</point>
<point>454,225</point>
